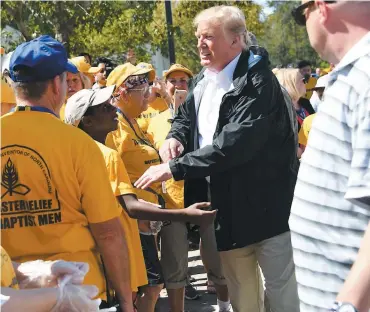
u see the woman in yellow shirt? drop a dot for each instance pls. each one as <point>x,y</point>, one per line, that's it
<point>158,99</point>
<point>138,154</point>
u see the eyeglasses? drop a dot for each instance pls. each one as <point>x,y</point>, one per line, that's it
<point>180,81</point>
<point>299,12</point>
<point>143,91</point>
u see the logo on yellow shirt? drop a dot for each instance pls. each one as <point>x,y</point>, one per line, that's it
<point>9,180</point>
<point>28,194</point>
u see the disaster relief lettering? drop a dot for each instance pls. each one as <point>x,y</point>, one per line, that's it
<point>28,196</point>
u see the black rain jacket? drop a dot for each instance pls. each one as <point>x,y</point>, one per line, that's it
<point>252,161</point>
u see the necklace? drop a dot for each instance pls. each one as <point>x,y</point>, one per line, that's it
<point>142,139</point>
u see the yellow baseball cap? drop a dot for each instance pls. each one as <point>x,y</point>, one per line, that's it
<point>150,67</point>
<point>178,67</point>
<point>83,66</point>
<point>122,72</point>
<point>7,93</point>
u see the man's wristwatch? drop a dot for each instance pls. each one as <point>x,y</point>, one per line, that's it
<point>343,307</point>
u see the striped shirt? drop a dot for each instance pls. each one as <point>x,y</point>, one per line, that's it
<point>331,206</point>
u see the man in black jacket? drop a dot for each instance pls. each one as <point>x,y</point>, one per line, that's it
<point>232,139</point>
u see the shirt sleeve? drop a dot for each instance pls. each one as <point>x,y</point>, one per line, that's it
<point>97,199</point>
<point>359,178</point>
<point>303,133</point>
<point>118,176</point>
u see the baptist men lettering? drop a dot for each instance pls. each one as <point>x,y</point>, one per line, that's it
<point>28,195</point>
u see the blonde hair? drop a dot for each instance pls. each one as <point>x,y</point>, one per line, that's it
<point>232,19</point>
<point>288,79</point>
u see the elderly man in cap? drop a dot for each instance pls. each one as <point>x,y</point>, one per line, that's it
<point>57,202</point>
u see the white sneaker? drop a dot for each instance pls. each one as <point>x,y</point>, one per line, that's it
<point>229,309</point>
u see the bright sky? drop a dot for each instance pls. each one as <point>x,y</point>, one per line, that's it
<point>266,9</point>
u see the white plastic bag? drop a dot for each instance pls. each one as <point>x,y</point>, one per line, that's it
<point>46,273</point>
<point>76,298</point>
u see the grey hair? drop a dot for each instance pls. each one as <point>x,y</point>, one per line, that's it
<point>33,90</point>
<point>232,19</point>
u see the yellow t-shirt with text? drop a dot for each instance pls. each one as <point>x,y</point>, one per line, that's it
<point>121,185</point>
<point>138,154</point>
<point>155,108</point>
<point>157,131</point>
<point>8,278</point>
<point>305,130</point>
<point>54,183</point>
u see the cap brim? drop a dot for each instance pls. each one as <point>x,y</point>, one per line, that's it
<point>70,67</point>
<point>94,70</point>
<point>141,71</point>
<point>186,71</point>
<point>102,95</point>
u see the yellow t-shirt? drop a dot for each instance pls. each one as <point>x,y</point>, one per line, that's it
<point>156,107</point>
<point>8,278</point>
<point>62,112</point>
<point>121,185</point>
<point>138,154</point>
<point>305,129</point>
<point>309,85</point>
<point>157,131</point>
<point>54,183</point>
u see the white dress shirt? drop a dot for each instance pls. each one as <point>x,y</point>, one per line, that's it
<point>217,84</point>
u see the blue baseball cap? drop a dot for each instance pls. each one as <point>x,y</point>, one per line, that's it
<point>43,57</point>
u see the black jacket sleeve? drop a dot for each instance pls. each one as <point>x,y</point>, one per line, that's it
<point>242,137</point>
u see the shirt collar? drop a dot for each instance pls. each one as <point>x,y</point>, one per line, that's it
<point>360,49</point>
<point>226,74</point>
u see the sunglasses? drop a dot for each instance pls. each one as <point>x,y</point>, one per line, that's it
<point>299,12</point>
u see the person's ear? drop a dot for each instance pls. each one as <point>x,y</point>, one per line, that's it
<point>124,96</point>
<point>323,11</point>
<point>235,41</point>
<point>56,84</point>
<point>87,121</point>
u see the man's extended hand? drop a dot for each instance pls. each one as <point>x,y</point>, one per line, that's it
<point>197,215</point>
<point>170,149</point>
<point>157,173</point>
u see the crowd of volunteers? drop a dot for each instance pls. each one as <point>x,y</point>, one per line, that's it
<point>109,171</point>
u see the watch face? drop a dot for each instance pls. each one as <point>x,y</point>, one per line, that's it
<point>347,308</point>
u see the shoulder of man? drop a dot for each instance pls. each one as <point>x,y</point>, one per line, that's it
<point>253,63</point>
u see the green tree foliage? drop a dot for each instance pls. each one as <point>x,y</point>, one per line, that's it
<point>287,42</point>
<point>56,18</point>
<point>110,28</point>
<point>99,27</point>
<point>125,27</point>
<point>184,13</point>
